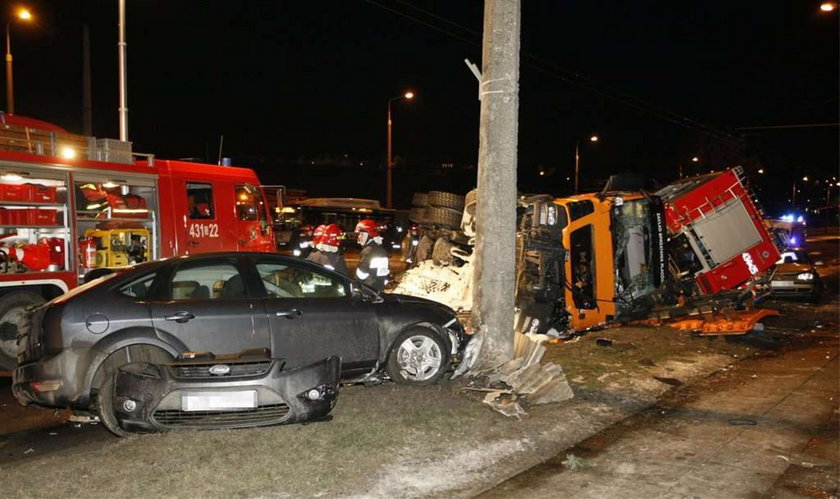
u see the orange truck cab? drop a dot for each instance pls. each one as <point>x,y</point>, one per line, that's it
<point>71,205</point>
<point>615,256</point>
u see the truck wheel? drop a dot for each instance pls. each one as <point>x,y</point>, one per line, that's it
<point>418,357</point>
<point>424,249</point>
<point>104,401</point>
<point>12,308</point>
<point>446,200</point>
<point>441,253</point>
<point>420,200</point>
<point>443,217</point>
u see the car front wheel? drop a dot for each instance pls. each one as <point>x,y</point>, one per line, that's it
<point>418,357</point>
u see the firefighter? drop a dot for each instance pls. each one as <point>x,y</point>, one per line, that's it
<point>373,262</point>
<point>326,250</point>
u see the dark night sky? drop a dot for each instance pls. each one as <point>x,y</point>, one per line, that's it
<point>283,79</point>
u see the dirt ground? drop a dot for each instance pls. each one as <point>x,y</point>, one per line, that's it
<point>387,440</point>
<point>395,441</point>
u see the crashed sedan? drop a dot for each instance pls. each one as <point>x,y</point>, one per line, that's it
<point>70,349</point>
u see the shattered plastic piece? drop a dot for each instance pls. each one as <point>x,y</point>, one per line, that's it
<point>573,463</point>
<point>556,390</point>
<point>505,403</point>
<point>470,355</point>
<point>29,451</point>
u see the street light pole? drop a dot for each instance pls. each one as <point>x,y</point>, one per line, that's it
<point>593,138</point>
<point>389,193</point>
<point>10,90</point>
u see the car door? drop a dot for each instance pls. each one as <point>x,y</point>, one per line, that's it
<point>311,315</point>
<point>206,304</point>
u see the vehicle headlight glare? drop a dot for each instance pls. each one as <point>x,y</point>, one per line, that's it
<point>806,276</point>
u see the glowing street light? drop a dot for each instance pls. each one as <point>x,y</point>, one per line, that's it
<point>828,6</point>
<point>390,185</point>
<point>695,159</point>
<point>761,170</point>
<point>593,139</point>
<point>23,15</point>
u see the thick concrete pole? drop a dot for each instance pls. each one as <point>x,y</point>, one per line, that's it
<point>493,280</point>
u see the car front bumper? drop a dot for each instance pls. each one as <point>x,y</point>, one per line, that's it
<point>158,396</point>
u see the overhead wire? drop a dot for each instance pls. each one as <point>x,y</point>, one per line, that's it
<point>551,69</point>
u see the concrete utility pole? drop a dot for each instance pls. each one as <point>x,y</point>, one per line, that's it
<point>495,255</point>
<point>121,51</point>
<point>87,107</point>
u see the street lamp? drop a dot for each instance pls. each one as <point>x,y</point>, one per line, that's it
<point>23,15</point>
<point>828,6</point>
<point>593,138</point>
<point>390,187</point>
<point>793,194</point>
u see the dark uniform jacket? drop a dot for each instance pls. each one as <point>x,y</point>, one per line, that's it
<point>332,261</point>
<point>373,266</point>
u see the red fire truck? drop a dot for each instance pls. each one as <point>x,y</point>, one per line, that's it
<point>70,205</point>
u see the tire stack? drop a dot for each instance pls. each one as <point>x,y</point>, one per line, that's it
<point>444,209</point>
<point>419,203</point>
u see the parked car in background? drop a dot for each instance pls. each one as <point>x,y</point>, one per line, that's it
<point>795,276</point>
<point>70,348</point>
<point>205,391</point>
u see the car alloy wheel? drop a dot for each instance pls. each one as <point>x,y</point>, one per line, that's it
<point>419,358</point>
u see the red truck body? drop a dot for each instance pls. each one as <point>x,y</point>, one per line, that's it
<point>715,217</point>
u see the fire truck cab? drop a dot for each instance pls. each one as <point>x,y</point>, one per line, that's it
<point>70,205</point>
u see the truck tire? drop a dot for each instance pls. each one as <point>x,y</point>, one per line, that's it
<point>417,214</point>
<point>424,249</point>
<point>12,307</point>
<point>443,217</point>
<point>446,200</point>
<point>441,253</point>
<point>420,199</point>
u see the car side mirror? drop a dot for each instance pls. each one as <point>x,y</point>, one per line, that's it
<point>360,292</point>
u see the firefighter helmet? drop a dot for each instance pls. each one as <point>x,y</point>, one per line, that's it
<point>365,230</point>
<point>317,234</point>
<point>330,235</point>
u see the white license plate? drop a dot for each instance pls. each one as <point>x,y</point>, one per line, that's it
<point>213,401</point>
<point>781,284</point>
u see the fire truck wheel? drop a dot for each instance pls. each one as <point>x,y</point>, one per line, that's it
<point>420,199</point>
<point>12,308</point>
<point>104,399</point>
<point>424,249</point>
<point>446,200</point>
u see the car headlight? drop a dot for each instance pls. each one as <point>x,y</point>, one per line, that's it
<point>806,276</point>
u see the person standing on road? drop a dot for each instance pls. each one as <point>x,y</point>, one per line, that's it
<point>373,268</point>
<point>327,247</point>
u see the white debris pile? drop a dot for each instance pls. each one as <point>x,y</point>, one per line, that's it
<point>525,379</point>
<point>449,285</point>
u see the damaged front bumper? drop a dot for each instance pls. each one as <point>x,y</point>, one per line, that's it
<point>214,395</point>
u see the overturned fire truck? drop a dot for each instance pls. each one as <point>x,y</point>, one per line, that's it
<point>593,259</point>
<point>72,206</point>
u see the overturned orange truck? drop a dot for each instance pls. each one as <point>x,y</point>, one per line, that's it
<point>630,255</point>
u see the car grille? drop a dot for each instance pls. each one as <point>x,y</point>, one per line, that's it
<point>266,414</point>
<point>236,369</point>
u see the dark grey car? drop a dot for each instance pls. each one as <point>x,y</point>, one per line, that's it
<point>226,303</point>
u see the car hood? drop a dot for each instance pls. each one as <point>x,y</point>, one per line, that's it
<point>793,268</point>
<point>415,300</point>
